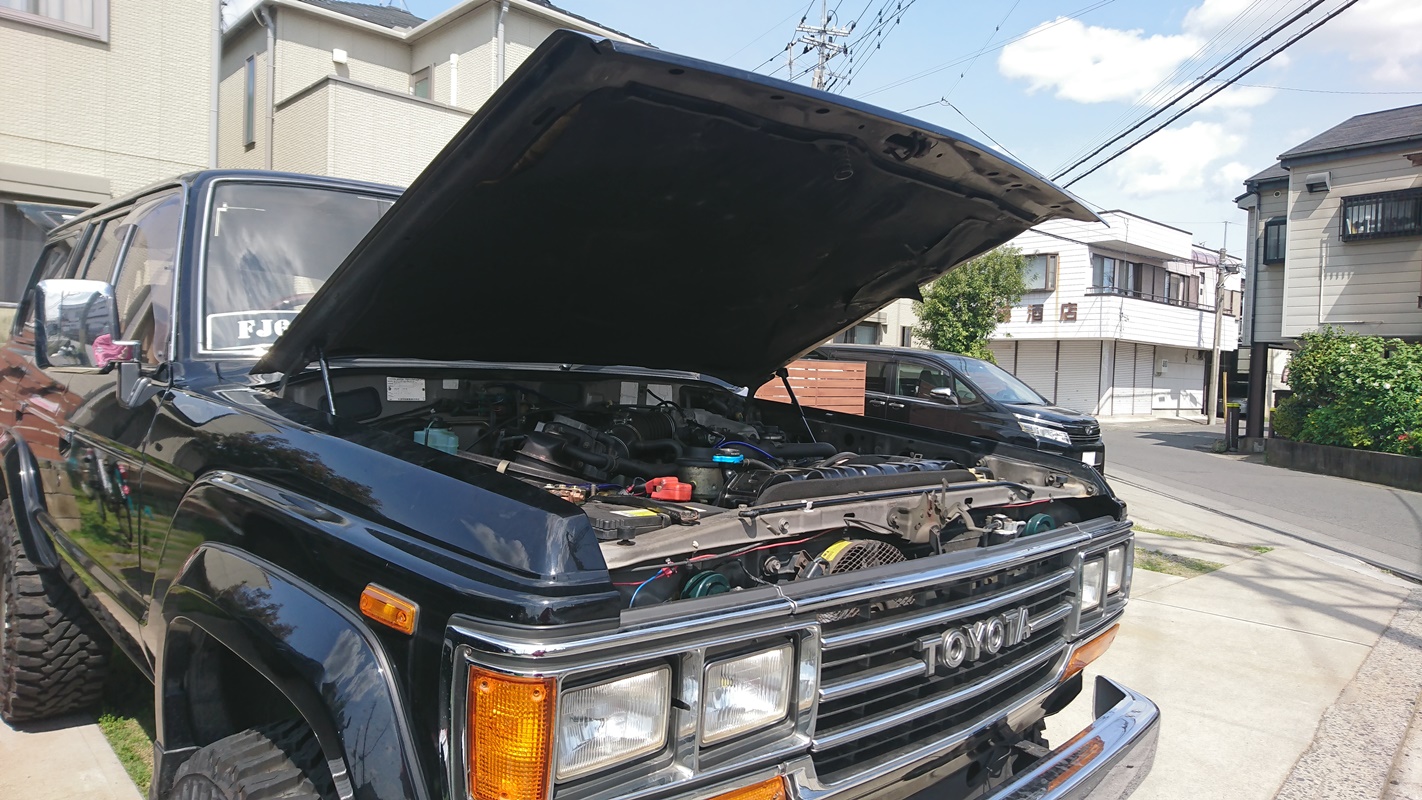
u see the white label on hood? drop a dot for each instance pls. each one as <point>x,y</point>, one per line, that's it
<point>629,394</point>
<point>405,389</point>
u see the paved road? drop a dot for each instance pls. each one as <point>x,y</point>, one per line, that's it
<point>1378,524</point>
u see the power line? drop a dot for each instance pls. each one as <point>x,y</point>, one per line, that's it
<point>804,16</point>
<point>874,35</point>
<point>969,68</point>
<point>970,56</point>
<point>775,27</point>
<point>1315,91</point>
<point>1224,85</point>
<point>1197,84</point>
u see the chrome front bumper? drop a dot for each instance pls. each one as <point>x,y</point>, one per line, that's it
<point>1106,761</point>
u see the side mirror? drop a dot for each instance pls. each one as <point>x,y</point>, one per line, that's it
<point>944,394</point>
<point>75,324</point>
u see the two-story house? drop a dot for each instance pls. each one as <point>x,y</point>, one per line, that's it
<point>1118,319</point>
<point>99,98</point>
<point>1336,234</point>
<point>356,90</point>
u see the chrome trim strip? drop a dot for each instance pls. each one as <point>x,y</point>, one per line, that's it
<point>864,681</point>
<point>1046,618</point>
<point>886,721</point>
<point>870,632</point>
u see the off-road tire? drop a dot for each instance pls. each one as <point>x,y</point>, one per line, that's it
<point>53,653</point>
<point>280,760</point>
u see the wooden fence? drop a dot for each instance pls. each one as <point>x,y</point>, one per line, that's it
<point>831,385</point>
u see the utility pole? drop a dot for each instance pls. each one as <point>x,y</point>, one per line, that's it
<point>1212,400</point>
<point>820,38</point>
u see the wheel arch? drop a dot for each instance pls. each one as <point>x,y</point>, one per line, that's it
<point>21,485</point>
<point>304,643</point>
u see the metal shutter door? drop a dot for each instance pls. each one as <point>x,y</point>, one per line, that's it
<point>1079,375</point>
<point>1037,366</point>
<point>1123,380</point>
<point>1145,379</point>
<point>1005,353</point>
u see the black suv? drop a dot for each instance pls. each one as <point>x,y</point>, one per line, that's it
<point>481,511</point>
<point>959,393</point>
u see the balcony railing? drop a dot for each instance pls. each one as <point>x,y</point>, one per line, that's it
<point>1160,298</point>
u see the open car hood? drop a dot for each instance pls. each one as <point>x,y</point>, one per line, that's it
<point>618,205</point>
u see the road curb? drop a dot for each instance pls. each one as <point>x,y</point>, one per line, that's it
<point>1361,736</point>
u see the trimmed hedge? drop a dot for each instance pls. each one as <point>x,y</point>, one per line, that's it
<point>1354,391</point>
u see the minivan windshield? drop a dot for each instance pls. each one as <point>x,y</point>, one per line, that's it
<point>996,382</point>
<point>269,247</point>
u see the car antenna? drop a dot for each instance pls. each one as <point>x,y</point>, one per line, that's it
<point>784,375</point>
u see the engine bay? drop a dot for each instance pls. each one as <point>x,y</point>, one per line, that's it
<point>694,489</point>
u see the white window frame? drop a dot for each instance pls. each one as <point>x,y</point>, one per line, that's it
<point>1050,263</point>
<point>98,31</point>
<point>426,74</point>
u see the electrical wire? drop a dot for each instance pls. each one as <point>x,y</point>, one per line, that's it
<point>771,30</point>
<point>1196,85</point>
<point>969,68</point>
<point>1225,85</point>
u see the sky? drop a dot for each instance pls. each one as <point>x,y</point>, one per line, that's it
<point>1052,77</point>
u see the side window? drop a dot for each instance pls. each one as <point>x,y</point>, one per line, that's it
<point>966,395</point>
<point>101,256</point>
<point>877,375</point>
<point>918,380</point>
<point>53,263</point>
<point>144,286</point>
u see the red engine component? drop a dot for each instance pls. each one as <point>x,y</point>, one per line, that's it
<point>669,488</point>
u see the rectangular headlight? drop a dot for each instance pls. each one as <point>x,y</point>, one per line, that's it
<point>612,722</point>
<point>746,693</point>
<point>1091,574</point>
<point>1115,569</point>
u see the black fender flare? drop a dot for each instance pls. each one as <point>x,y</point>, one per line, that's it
<point>22,487</point>
<point>317,652</point>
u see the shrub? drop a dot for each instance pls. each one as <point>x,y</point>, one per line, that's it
<point>1354,391</point>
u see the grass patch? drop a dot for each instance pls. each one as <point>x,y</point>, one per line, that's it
<point>1172,564</point>
<point>1195,537</point>
<point>126,719</point>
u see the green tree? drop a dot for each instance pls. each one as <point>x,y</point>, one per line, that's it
<point>960,310</point>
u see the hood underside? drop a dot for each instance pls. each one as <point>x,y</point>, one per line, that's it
<point>618,205</point>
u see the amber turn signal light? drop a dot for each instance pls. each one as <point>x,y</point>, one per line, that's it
<point>1089,652</point>
<point>388,608</point>
<point>773,789</point>
<point>510,735</point>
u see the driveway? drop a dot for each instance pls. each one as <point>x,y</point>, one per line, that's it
<point>1378,524</point>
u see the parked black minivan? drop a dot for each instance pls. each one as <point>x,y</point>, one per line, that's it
<point>967,395</point>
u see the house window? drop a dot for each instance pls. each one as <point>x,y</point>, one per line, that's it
<point>863,333</point>
<point>1274,236</point>
<point>905,336</point>
<point>1381,215</point>
<point>1040,272</point>
<point>420,83</point>
<point>87,18</point>
<point>249,103</point>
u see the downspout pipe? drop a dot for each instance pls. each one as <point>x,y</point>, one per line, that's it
<point>267,17</point>
<point>499,42</point>
<point>216,81</point>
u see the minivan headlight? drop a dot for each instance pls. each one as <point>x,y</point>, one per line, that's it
<point>612,722</point>
<point>1043,432</point>
<point>746,693</point>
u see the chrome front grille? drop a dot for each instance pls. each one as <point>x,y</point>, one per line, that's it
<point>1083,434</point>
<point>878,694</point>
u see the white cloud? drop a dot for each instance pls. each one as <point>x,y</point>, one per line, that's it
<point>1240,97</point>
<point>1231,176</point>
<point>1090,64</point>
<point>1384,33</point>
<point>1176,159</point>
<point>1212,16</point>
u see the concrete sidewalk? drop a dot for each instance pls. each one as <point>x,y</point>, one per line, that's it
<point>61,759</point>
<point>1248,660</point>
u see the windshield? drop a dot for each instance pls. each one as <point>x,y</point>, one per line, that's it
<point>269,248</point>
<point>995,382</point>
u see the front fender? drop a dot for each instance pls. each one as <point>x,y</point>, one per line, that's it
<point>22,486</point>
<point>318,653</point>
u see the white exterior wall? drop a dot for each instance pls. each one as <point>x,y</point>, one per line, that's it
<point>1369,286</point>
<point>384,138</point>
<point>1264,295</point>
<point>132,111</point>
<point>1179,381</point>
<point>471,37</point>
<point>303,132</point>
<point>305,42</point>
<point>232,152</point>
